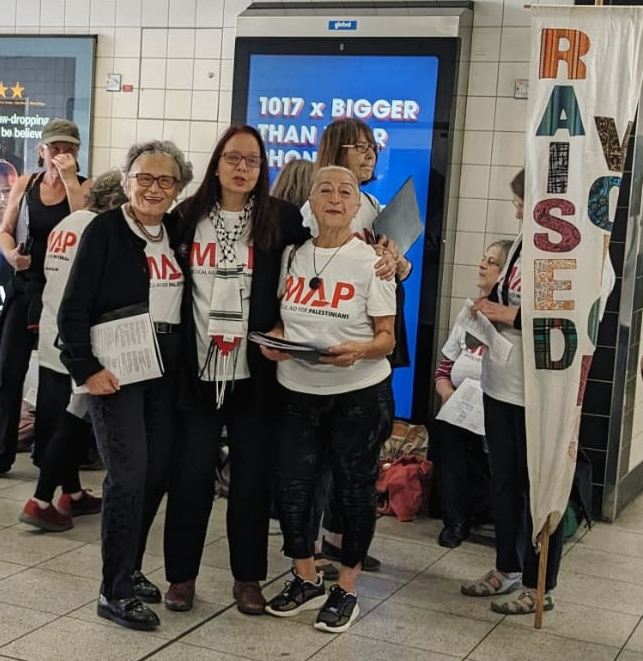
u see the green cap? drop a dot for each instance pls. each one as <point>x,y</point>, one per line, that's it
<point>60,130</point>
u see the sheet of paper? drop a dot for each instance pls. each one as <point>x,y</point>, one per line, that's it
<point>127,347</point>
<point>308,352</point>
<point>483,330</point>
<point>464,407</point>
<point>400,218</point>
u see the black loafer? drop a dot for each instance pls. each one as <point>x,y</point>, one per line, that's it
<point>128,612</point>
<point>334,553</point>
<point>145,590</point>
<point>452,536</point>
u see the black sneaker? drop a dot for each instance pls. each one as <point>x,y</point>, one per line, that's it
<point>128,612</point>
<point>298,595</point>
<point>334,553</point>
<point>144,589</point>
<point>339,611</point>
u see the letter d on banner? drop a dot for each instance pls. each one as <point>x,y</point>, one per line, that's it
<point>545,331</point>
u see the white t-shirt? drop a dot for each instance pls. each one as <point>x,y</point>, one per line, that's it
<point>505,381</point>
<point>362,224</point>
<point>203,263</point>
<point>166,277</point>
<point>62,246</point>
<point>467,363</point>
<point>340,310</point>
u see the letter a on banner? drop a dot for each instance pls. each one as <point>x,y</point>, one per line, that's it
<point>585,82</point>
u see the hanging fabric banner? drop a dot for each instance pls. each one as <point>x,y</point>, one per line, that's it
<point>584,84</point>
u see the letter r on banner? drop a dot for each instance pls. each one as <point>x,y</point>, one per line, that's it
<point>551,53</point>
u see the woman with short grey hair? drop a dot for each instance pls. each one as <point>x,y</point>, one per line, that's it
<point>125,260</point>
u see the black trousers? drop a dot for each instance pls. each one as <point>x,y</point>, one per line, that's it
<point>350,428</point>
<point>252,449</point>
<point>506,435</point>
<point>54,391</point>
<point>16,345</point>
<point>135,432</point>
<point>462,472</point>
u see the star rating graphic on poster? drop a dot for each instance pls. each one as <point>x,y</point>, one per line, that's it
<point>16,91</point>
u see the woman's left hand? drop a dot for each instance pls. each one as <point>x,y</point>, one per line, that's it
<point>274,354</point>
<point>344,355</point>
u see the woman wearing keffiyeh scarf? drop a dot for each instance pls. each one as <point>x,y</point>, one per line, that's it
<point>230,236</point>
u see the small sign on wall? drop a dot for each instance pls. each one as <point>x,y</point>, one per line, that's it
<point>113,83</point>
<point>521,88</point>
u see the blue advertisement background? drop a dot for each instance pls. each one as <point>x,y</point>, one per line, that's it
<point>406,138</point>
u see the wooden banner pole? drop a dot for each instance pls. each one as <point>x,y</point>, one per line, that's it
<point>542,574</point>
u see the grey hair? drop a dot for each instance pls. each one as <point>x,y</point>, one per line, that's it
<point>333,168</point>
<point>164,148</point>
<point>503,246</point>
<point>106,192</point>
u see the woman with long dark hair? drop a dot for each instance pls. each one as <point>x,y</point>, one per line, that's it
<point>231,235</point>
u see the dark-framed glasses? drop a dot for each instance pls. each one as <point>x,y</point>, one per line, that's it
<point>165,181</point>
<point>363,147</point>
<point>234,158</point>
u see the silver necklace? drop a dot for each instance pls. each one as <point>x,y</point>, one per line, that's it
<point>316,282</point>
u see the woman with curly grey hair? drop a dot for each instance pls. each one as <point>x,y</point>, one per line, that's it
<point>125,260</point>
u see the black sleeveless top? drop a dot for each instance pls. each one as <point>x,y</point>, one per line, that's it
<point>42,219</point>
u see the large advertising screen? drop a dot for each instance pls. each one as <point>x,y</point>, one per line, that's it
<point>42,78</point>
<point>291,98</point>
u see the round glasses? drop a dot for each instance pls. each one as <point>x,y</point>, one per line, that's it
<point>363,147</point>
<point>234,158</point>
<point>165,181</point>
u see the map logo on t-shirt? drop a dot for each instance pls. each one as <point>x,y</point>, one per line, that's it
<point>162,268</point>
<point>203,256</point>
<point>298,291</point>
<point>59,241</point>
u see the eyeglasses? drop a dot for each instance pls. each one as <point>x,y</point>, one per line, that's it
<point>234,158</point>
<point>165,181</point>
<point>363,147</point>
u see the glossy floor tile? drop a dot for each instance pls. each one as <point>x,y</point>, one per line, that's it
<point>410,610</point>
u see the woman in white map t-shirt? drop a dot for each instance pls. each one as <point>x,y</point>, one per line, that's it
<point>341,405</point>
<point>460,460</point>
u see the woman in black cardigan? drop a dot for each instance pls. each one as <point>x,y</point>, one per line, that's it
<point>125,259</point>
<point>231,236</point>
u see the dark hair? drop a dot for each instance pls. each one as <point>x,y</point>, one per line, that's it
<point>338,133</point>
<point>106,192</point>
<point>518,185</point>
<point>294,181</point>
<point>264,227</point>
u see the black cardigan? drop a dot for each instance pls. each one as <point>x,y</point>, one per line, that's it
<point>264,304</point>
<point>110,272</point>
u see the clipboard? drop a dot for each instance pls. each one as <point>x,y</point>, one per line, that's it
<point>400,219</point>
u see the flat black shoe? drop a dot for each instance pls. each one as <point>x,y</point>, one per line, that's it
<point>145,590</point>
<point>452,536</point>
<point>334,553</point>
<point>128,612</point>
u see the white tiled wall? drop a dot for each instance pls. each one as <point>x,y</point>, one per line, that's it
<point>178,56</point>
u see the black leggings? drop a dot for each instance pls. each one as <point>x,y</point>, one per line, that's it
<point>351,428</point>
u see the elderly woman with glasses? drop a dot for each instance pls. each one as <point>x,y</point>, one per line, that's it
<point>339,407</point>
<point>232,235</point>
<point>125,262</point>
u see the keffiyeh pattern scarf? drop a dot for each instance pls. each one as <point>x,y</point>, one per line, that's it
<point>226,326</point>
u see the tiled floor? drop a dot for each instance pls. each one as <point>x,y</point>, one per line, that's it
<point>411,610</point>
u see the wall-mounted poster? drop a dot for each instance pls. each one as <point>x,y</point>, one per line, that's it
<point>42,77</point>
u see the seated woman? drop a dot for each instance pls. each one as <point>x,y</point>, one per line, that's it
<point>460,459</point>
<point>340,406</point>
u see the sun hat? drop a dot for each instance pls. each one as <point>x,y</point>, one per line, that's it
<point>60,130</point>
